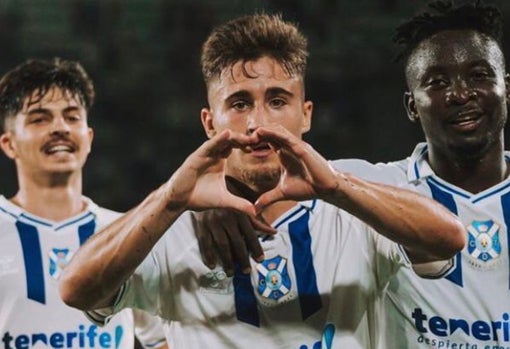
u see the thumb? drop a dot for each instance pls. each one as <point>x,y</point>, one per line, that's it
<point>239,204</point>
<point>268,198</point>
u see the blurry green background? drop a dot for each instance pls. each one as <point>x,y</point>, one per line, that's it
<point>144,58</point>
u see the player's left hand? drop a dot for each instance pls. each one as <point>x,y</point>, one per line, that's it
<point>305,173</point>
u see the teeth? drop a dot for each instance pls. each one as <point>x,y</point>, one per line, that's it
<point>58,148</point>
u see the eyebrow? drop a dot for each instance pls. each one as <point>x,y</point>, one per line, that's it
<point>46,110</point>
<point>273,91</point>
<point>278,91</point>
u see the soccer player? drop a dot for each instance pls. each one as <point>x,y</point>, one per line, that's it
<point>322,261</point>
<point>43,111</point>
<point>458,92</point>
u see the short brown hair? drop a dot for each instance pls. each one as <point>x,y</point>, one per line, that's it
<point>251,37</point>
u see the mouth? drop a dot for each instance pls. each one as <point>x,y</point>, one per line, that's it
<point>53,148</point>
<point>260,150</point>
<point>467,120</point>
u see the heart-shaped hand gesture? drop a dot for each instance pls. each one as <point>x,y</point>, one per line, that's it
<point>305,173</point>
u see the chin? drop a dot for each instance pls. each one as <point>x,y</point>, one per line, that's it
<point>472,149</point>
<point>264,179</point>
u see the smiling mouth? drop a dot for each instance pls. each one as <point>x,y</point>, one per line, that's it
<point>58,148</point>
<point>467,121</point>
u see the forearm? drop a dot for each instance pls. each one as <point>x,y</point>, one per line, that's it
<point>104,263</point>
<point>426,229</point>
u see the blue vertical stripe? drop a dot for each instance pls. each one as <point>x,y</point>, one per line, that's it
<point>86,230</point>
<point>306,279</point>
<point>32,256</point>
<point>245,301</point>
<point>505,203</point>
<point>446,199</point>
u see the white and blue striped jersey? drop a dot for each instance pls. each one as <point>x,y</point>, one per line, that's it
<point>318,285</point>
<point>33,253</point>
<point>469,308</point>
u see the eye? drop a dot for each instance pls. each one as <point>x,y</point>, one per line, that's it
<point>480,74</point>
<point>240,105</point>
<point>437,82</point>
<point>277,103</point>
<point>38,118</point>
<point>73,117</point>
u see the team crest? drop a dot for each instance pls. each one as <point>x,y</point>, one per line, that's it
<point>59,259</point>
<point>273,278</point>
<point>483,244</point>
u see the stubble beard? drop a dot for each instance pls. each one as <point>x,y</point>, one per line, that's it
<point>261,180</point>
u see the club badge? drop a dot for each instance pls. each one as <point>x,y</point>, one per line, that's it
<point>273,278</point>
<point>59,259</point>
<point>483,241</point>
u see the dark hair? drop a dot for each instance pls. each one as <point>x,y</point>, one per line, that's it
<point>250,37</point>
<point>443,16</point>
<point>39,76</point>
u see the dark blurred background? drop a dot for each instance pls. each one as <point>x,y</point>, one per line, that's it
<point>144,58</point>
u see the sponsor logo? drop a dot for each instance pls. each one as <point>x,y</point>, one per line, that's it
<point>84,337</point>
<point>216,281</point>
<point>497,330</point>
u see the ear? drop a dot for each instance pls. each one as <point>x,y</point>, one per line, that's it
<point>91,138</point>
<point>207,122</point>
<point>7,145</point>
<point>507,86</point>
<point>307,116</point>
<point>410,106</point>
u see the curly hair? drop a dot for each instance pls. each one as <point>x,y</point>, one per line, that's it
<point>35,77</point>
<point>250,37</point>
<point>444,15</point>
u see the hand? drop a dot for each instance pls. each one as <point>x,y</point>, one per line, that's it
<point>229,235</point>
<point>305,173</point>
<point>199,183</point>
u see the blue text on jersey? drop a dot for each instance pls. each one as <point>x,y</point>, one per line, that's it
<point>83,338</point>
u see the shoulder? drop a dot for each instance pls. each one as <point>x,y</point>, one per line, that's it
<point>102,215</point>
<point>388,173</point>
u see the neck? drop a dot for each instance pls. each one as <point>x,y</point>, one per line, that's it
<point>252,193</point>
<point>50,198</point>
<point>274,211</point>
<point>473,174</point>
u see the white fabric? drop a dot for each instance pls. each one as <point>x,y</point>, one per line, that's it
<point>32,315</point>
<point>351,262</point>
<point>470,307</point>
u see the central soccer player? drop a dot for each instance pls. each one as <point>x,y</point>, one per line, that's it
<point>338,238</point>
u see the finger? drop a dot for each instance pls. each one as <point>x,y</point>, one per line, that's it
<point>260,224</point>
<point>237,203</point>
<point>268,198</point>
<point>238,245</point>
<point>251,239</point>
<point>205,240</point>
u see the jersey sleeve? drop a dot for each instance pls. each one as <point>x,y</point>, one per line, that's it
<point>393,256</point>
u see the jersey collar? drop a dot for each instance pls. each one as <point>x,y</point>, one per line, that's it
<point>418,167</point>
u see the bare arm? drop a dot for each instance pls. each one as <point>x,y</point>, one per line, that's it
<point>96,273</point>
<point>426,229</point>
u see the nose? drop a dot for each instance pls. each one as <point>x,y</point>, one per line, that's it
<point>256,118</point>
<point>59,126</point>
<point>460,93</point>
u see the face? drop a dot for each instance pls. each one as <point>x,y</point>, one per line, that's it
<point>458,93</point>
<point>253,94</point>
<point>50,136</point>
